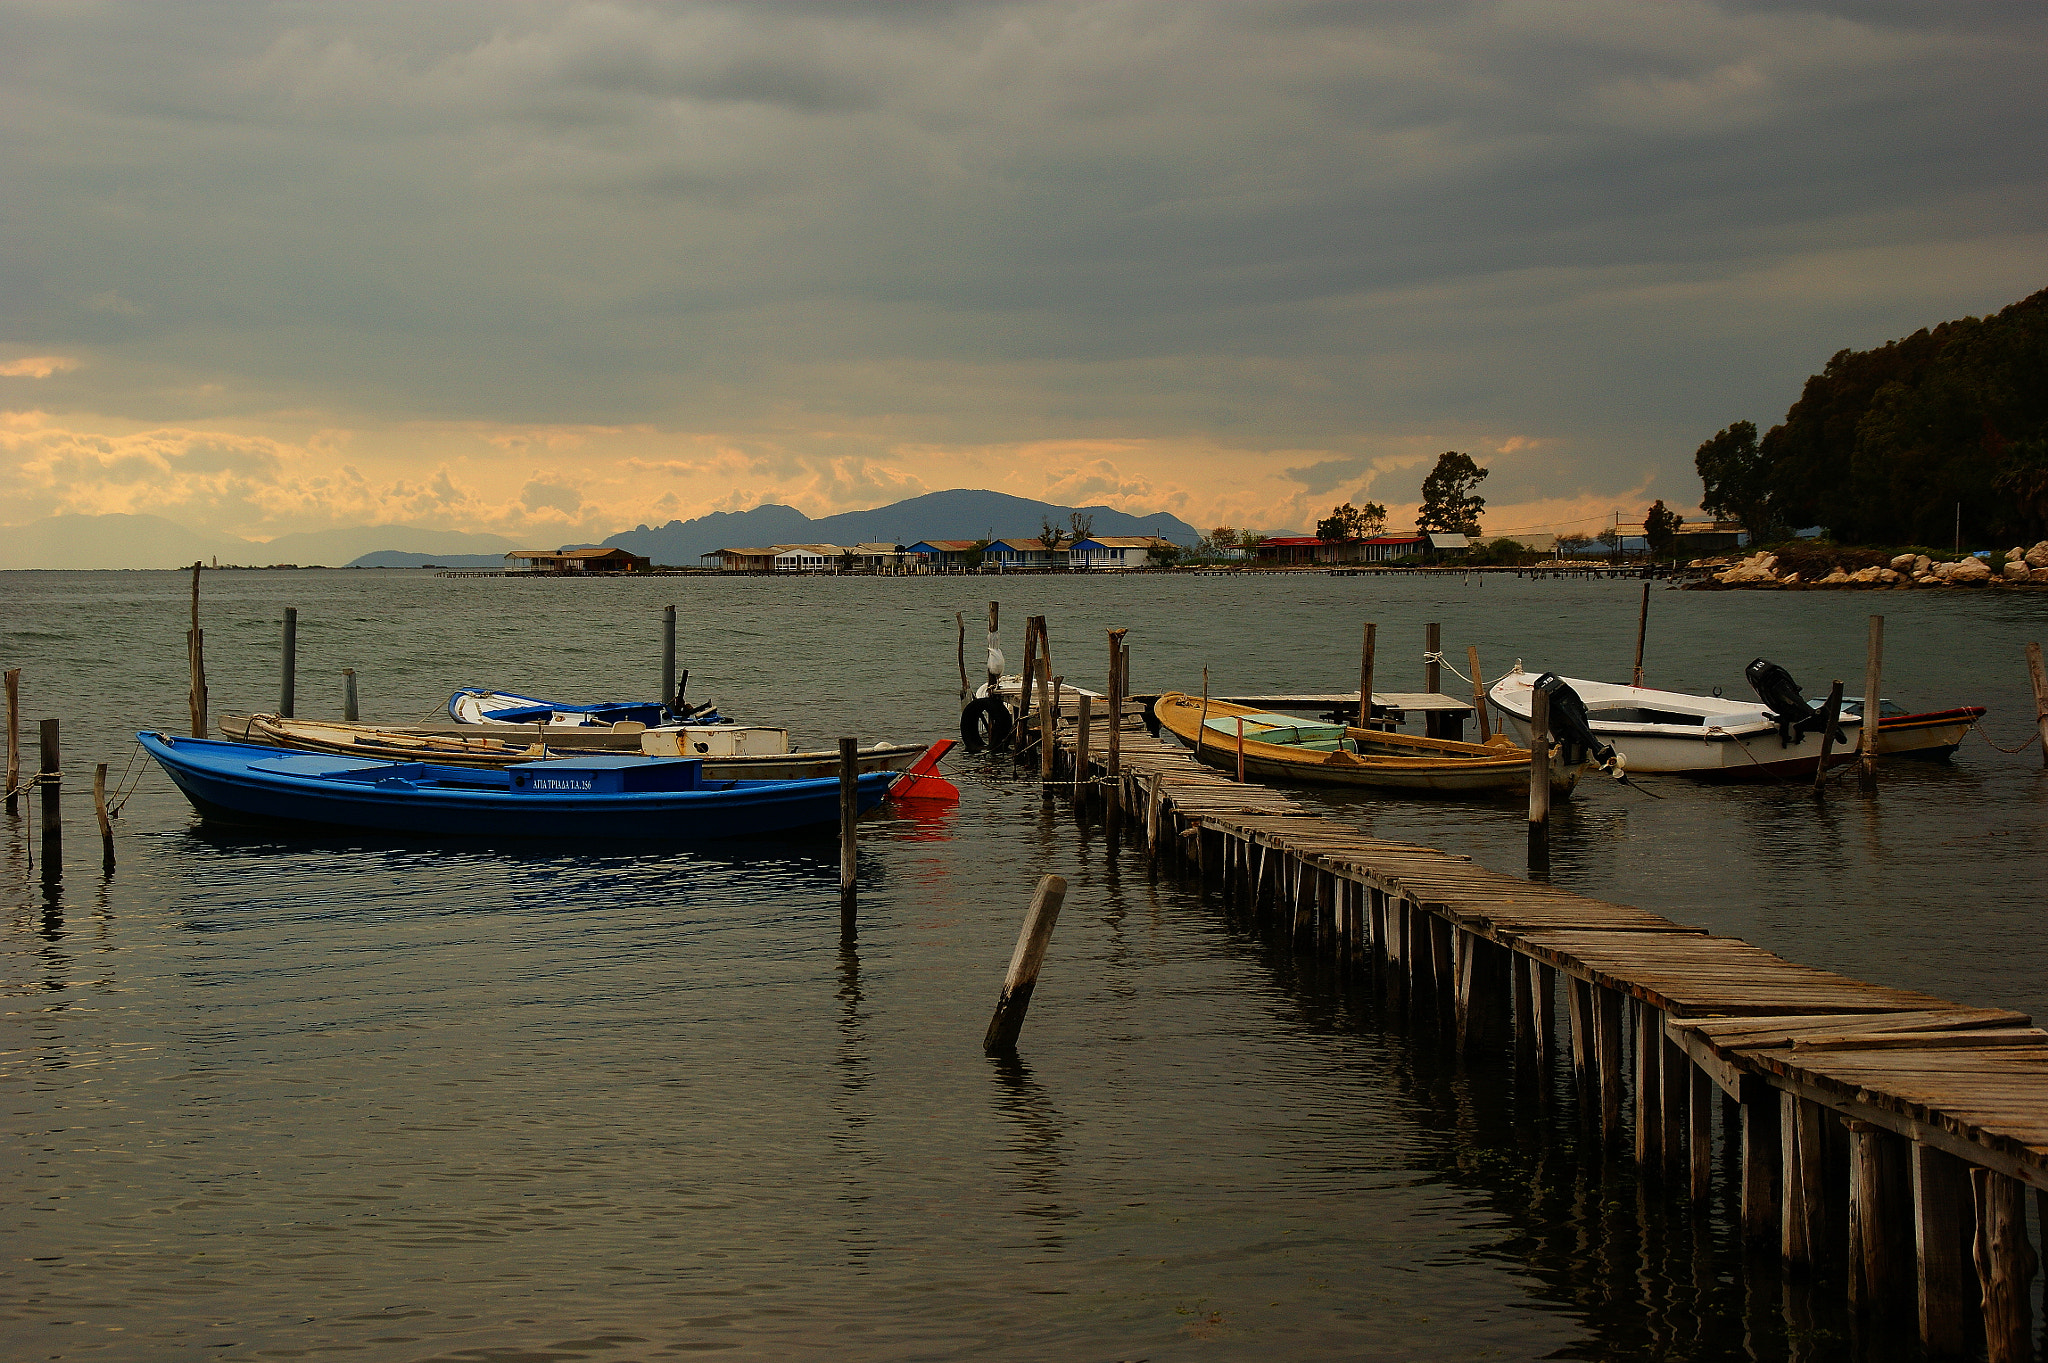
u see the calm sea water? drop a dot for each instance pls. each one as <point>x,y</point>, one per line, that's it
<point>273,1097</point>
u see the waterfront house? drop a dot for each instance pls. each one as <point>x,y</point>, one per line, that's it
<point>810,558</point>
<point>943,553</point>
<point>744,560</point>
<point>1022,551</point>
<point>558,561</point>
<point>1112,551</point>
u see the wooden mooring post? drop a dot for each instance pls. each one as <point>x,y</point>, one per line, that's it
<point>2005,1264</point>
<point>349,709</point>
<point>195,658</point>
<point>668,655</point>
<point>1432,675</point>
<point>995,611</point>
<point>849,815</point>
<point>1021,980</point>
<point>13,737</point>
<point>960,619</point>
<point>51,778</point>
<point>288,680</point>
<point>1029,675</point>
<point>1539,783</point>
<point>1642,633</point>
<point>1048,718</point>
<point>1365,661</point>
<point>1873,678</point>
<point>99,807</point>
<point>1081,747</point>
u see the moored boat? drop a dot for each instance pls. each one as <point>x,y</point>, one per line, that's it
<point>609,796</point>
<point>1711,737</point>
<point>1932,736</point>
<point>715,745</point>
<point>481,705</point>
<point>1287,748</point>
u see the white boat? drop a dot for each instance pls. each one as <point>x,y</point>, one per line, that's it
<point>1712,737</point>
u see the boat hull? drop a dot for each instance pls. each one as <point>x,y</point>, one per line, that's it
<point>469,749</point>
<point>221,785</point>
<point>1438,766</point>
<point>1932,737</point>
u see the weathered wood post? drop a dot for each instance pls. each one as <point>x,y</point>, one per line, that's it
<point>1365,676</point>
<point>1879,1267</point>
<point>1240,749</point>
<point>288,684</point>
<point>1048,718</point>
<point>1030,675</point>
<point>195,658</point>
<point>1760,1160</point>
<point>13,737</point>
<point>960,619</point>
<point>1649,1091</point>
<point>1116,703</point>
<point>2005,1264</point>
<point>1642,631</point>
<point>1607,1052</point>
<point>1432,675</point>
<point>1830,713</point>
<point>849,815</point>
<point>349,710</point>
<point>994,614</point>
<point>1022,977</point>
<point>50,778</point>
<point>1478,693</point>
<point>1941,1250</point>
<point>1539,782</point>
<point>1873,674</point>
<point>1087,721</point>
<point>99,807</point>
<point>2038,675</point>
<point>668,655</point>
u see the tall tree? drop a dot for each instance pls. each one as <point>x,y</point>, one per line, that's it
<point>1348,522</point>
<point>1081,525</point>
<point>1660,528</point>
<point>1050,533</point>
<point>1738,482</point>
<point>1448,503</point>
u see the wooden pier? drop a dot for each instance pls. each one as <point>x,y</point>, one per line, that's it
<point>1887,1132</point>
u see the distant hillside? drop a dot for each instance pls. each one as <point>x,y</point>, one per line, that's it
<point>124,541</point>
<point>959,514</point>
<point>335,547</point>
<point>394,558</point>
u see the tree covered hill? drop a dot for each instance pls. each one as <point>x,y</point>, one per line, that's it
<point>1883,444</point>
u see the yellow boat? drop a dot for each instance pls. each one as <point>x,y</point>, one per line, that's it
<point>1288,748</point>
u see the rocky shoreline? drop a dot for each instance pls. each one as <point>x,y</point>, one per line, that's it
<point>2021,568</point>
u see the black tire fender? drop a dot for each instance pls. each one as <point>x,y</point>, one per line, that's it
<point>985,723</point>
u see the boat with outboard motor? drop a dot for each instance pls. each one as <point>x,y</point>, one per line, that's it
<point>1927,736</point>
<point>1778,735</point>
<point>611,796</point>
<point>480,705</point>
<point>718,746</point>
<point>1288,748</point>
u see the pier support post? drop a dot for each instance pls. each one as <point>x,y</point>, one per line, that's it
<point>668,655</point>
<point>288,681</point>
<point>1700,1125</point>
<point>1941,1250</point>
<point>1579,1004</point>
<point>1081,773</point>
<point>1607,1038</point>
<point>1758,1114</point>
<point>2005,1265</point>
<point>1528,1039</point>
<point>1442,969</point>
<point>99,807</point>
<point>1649,1093</point>
<point>349,709</point>
<point>13,737</point>
<point>849,815</point>
<point>1048,718</point>
<point>1803,1236</point>
<point>1676,1072</point>
<point>1022,978</point>
<point>1482,981</point>
<point>1878,1264</point>
<point>1873,678</point>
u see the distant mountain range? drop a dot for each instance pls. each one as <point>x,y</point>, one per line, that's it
<point>140,541</point>
<point>961,514</point>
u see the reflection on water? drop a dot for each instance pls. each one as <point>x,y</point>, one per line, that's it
<point>279,1095</point>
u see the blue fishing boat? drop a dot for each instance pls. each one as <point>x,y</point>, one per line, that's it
<point>480,705</point>
<point>597,796</point>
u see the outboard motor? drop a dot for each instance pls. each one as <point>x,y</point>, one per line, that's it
<point>1568,722</point>
<point>1782,697</point>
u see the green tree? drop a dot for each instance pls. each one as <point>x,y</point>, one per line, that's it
<point>1738,481</point>
<point>1660,528</point>
<point>1448,503</point>
<point>974,556</point>
<point>1348,522</point>
<point>1164,554</point>
<point>1249,540</point>
<point>1218,542</point>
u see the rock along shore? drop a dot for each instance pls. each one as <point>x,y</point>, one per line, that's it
<point>2022,568</point>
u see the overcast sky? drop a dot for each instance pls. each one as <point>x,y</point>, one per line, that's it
<point>554,269</point>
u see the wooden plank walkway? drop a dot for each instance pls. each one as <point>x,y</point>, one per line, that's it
<point>1660,1018</point>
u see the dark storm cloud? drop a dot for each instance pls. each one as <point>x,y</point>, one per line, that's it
<point>1293,223</point>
